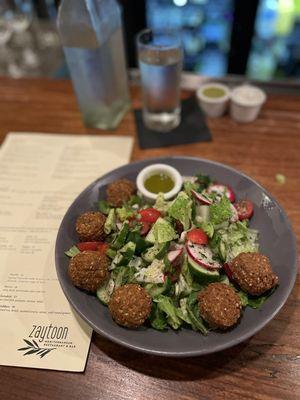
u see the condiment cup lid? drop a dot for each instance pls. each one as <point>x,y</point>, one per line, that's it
<point>221,99</point>
<point>248,95</point>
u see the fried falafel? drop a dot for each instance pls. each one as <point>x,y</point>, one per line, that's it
<point>90,226</point>
<point>88,270</point>
<point>130,305</point>
<point>120,191</point>
<point>219,305</point>
<point>253,273</point>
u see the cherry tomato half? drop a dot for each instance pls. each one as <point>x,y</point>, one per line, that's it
<point>93,246</point>
<point>149,215</point>
<point>244,209</point>
<point>197,236</point>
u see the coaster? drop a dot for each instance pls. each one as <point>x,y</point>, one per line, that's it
<point>191,129</point>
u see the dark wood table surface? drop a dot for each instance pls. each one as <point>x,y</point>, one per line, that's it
<point>265,367</point>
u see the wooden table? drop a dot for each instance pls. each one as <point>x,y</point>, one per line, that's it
<point>265,367</point>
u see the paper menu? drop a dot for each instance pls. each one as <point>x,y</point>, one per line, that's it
<point>40,175</point>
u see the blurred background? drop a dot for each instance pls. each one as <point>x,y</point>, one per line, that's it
<point>258,39</point>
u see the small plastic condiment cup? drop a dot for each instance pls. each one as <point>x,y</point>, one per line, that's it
<point>154,169</point>
<point>213,107</point>
<point>246,102</point>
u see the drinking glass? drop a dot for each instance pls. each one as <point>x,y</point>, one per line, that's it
<point>160,63</point>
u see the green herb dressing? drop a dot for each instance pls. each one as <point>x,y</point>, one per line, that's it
<point>213,92</point>
<point>159,183</point>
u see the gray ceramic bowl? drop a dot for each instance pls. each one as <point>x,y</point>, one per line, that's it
<point>277,241</point>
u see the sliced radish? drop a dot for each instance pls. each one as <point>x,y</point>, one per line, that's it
<point>202,255</point>
<point>202,198</point>
<point>222,190</point>
<point>235,215</point>
<point>174,256</point>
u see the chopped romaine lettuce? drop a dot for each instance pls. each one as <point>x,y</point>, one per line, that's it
<point>135,262</point>
<point>244,298</point>
<point>208,228</point>
<point>161,204</point>
<point>120,239</point>
<point>201,214</point>
<point>110,223</point>
<point>220,212</point>
<point>161,232</point>
<point>181,209</point>
<point>124,255</point>
<point>193,313</point>
<point>166,305</point>
<point>255,302</point>
<point>185,284</point>
<point>103,207</point>
<point>230,242</point>
<point>157,318</point>
<point>189,186</point>
<point>124,213</point>
<point>123,275</point>
<point>152,274</point>
<point>135,200</point>
<point>157,251</point>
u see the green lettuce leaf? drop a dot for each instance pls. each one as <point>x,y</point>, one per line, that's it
<point>181,209</point>
<point>220,212</point>
<point>235,239</point>
<point>103,207</point>
<point>161,232</point>
<point>166,306</point>
<point>110,223</point>
<point>157,318</point>
<point>124,213</point>
<point>161,204</point>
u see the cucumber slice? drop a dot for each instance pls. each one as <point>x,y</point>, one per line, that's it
<point>125,254</point>
<point>105,291</point>
<point>203,275</point>
<point>157,289</point>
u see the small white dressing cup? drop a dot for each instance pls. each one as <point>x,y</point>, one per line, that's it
<point>246,103</point>
<point>152,170</point>
<point>213,107</point>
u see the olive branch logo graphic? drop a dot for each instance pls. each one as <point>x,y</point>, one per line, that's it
<point>34,348</point>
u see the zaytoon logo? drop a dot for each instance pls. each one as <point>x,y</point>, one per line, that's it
<point>42,333</point>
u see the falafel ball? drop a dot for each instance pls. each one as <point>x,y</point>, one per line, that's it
<point>90,226</point>
<point>119,192</point>
<point>253,273</point>
<point>130,305</point>
<point>88,270</point>
<point>220,305</point>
